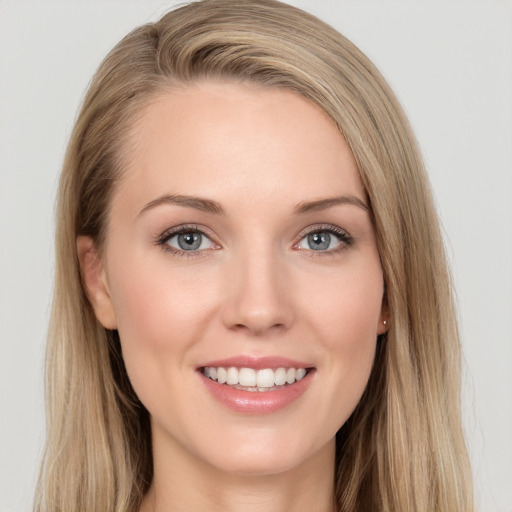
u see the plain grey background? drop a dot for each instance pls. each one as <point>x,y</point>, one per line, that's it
<point>450,62</point>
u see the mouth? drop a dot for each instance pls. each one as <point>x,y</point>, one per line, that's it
<point>257,385</point>
<point>255,380</point>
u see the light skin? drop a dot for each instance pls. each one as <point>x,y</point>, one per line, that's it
<point>253,172</point>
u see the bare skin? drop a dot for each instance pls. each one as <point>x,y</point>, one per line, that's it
<point>285,266</point>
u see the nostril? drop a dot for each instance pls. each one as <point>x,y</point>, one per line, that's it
<point>257,299</point>
<point>258,328</point>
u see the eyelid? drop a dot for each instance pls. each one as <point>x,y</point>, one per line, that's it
<point>163,238</point>
<point>185,228</point>
<point>346,240</point>
<point>343,236</point>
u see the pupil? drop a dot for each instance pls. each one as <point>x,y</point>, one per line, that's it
<point>319,241</point>
<point>189,241</point>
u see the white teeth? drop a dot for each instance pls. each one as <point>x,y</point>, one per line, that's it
<point>247,377</point>
<point>261,380</point>
<point>221,375</point>
<point>280,376</point>
<point>299,374</point>
<point>290,375</point>
<point>232,377</point>
<point>265,378</point>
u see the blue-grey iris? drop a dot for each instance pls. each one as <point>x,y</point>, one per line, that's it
<point>189,241</point>
<point>319,241</point>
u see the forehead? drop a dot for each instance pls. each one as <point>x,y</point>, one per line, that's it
<point>227,140</point>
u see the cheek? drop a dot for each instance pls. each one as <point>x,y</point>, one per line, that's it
<point>348,311</point>
<point>346,321</point>
<point>155,301</point>
<point>159,314</point>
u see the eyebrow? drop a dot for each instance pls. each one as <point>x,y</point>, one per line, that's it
<point>324,204</point>
<point>210,206</point>
<point>197,203</point>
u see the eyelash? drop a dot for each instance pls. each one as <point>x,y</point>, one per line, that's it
<point>345,239</point>
<point>187,228</point>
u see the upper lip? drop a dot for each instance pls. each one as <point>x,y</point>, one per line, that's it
<point>257,362</point>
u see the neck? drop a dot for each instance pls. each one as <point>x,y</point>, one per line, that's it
<point>188,483</point>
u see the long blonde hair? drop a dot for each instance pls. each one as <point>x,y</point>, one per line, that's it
<point>403,447</point>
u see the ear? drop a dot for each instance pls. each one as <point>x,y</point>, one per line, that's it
<point>383,319</point>
<point>95,282</point>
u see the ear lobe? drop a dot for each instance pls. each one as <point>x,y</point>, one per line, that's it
<point>95,282</point>
<point>383,319</point>
<point>383,325</point>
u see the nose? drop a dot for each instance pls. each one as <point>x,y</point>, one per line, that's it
<point>259,295</point>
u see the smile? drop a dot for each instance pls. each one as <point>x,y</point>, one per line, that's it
<point>250,379</point>
<point>257,385</point>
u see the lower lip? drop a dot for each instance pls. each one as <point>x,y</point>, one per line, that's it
<point>257,402</point>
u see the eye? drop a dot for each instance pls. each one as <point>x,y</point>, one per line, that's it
<point>190,241</point>
<point>186,239</point>
<point>324,240</point>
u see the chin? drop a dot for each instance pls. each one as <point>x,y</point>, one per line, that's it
<point>260,465</point>
<point>261,456</point>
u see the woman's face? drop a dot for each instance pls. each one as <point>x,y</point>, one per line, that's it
<point>240,246</point>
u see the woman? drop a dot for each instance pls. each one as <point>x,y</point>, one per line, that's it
<point>252,307</point>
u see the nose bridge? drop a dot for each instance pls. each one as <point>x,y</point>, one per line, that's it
<point>258,299</point>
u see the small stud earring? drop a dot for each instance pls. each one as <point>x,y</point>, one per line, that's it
<point>385,322</point>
